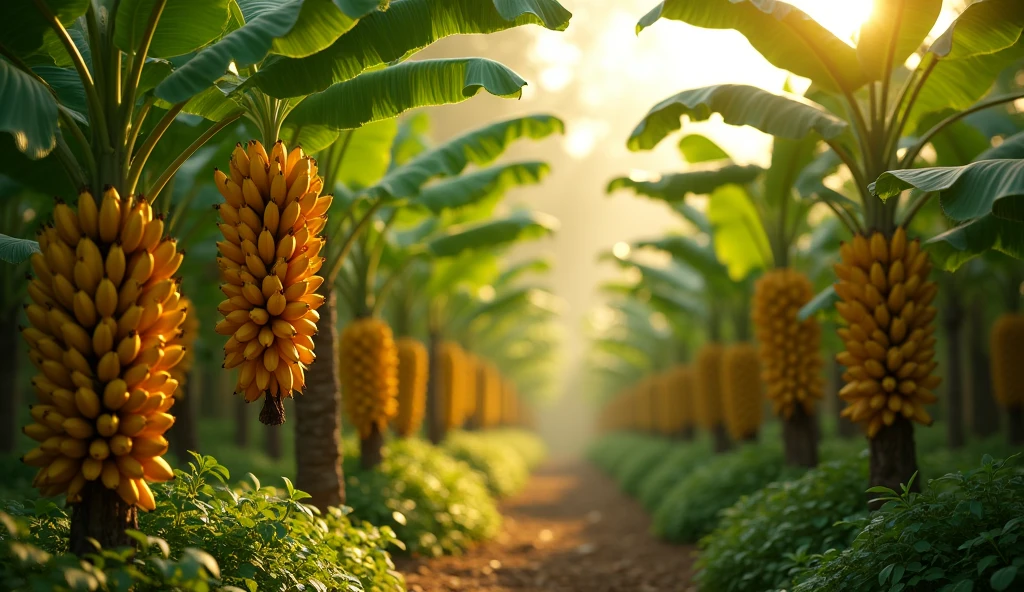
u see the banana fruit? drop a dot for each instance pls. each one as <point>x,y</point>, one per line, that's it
<point>185,341</point>
<point>368,360</point>
<point>103,307</point>
<point>271,219</point>
<point>412,386</point>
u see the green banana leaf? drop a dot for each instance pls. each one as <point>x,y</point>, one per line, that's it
<point>676,187</point>
<point>184,25</point>
<point>29,112</point>
<point>470,188</point>
<point>895,30</point>
<point>518,226</point>
<point>16,250</point>
<point>696,148</point>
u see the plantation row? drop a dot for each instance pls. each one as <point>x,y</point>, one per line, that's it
<point>339,264</point>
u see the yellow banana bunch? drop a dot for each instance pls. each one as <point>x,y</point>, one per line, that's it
<point>104,309</point>
<point>664,402</point>
<point>472,388</point>
<point>369,374</point>
<point>708,386</point>
<point>681,387</point>
<point>790,349</point>
<point>1007,350</point>
<point>491,413</point>
<point>509,403</point>
<point>187,339</point>
<point>454,368</point>
<point>412,386</point>
<point>886,304</point>
<point>271,220</point>
<point>741,390</point>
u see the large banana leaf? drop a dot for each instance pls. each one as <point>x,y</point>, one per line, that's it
<point>23,28</point>
<point>984,27</point>
<point>464,190</point>
<point>518,226</point>
<point>739,236</point>
<point>367,156</point>
<point>478,147</point>
<point>696,148</point>
<point>16,250</point>
<point>387,93</point>
<point>967,192</point>
<point>517,270</point>
<point>701,258</point>
<point>783,34</point>
<point>29,112</point>
<point>184,25</point>
<point>298,26</point>
<point>956,246</point>
<point>407,26</point>
<point>677,186</point>
<point>784,115</point>
<point>895,30</point>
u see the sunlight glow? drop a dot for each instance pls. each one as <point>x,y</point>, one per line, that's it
<point>842,17</point>
<point>620,250</point>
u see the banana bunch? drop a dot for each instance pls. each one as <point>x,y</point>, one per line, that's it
<point>186,338</point>
<point>104,310</point>
<point>741,390</point>
<point>454,369</point>
<point>472,388</point>
<point>665,402</point>
<point>1007,349</point>
<point>509,403</point>
<point>412,386</point>
<point>271,220</point>
<point>491,412</point>
<point>707,382</point>
<point>790,349</point>
<point>681,388</point>
<point>368,360</point>
<point>886,304</point>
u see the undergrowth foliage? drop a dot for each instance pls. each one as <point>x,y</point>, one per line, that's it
<point>435,503</point>
<point>504,458</point>
<point>963,532</point>
<point>204,534</point>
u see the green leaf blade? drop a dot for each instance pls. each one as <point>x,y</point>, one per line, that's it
<point>16,250</point>
<point>29,112</point>
<point>516,227</point>
<point>967,192</point>
<point>184,25</point>
<point>674,188</point>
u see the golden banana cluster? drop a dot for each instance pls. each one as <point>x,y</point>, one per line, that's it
<point>664,403</point>
<point>509,403</point>
<point>104,308</point>
<point>186,338</point>
<point>1007,351</point>
<point>741,390</point>
<point>368,360</point>
<point>680,385</point>
<point>490,413</point>
<point>707,382</point>
<point>412,386</point>
<point>454,372</point>
<point>271,219</point>
<point>790,351</point>
<point>886,305</point>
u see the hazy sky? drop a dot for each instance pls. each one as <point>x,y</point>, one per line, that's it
<point>601,78</point>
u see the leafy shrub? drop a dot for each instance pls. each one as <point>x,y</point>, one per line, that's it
<point>676,465</point>
<point>251,537</point>
<point>964,530</point>
<point>614,451</point>
<point>691,508</point>
<point>504,469</point>
<point>763,537</point>
<point>525,443</point>
<point>434,503</point>
<point>634,468</point>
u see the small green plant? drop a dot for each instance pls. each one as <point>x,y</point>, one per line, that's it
<point>436,504</point>
<point>205,533</point>
<point>691,508</point>
<point>963,532</point>
<point>504,469</point>
<point>682,460</point>
<point>761,540</point>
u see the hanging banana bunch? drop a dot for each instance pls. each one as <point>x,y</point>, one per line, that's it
<point>790,349</point>
<point>886,303</point>
<point>104,310</point>
<point>271,219</point>
<point>453,366</point>
<point>369,374</point>
<point>741,391</point>
<point>412,386</point>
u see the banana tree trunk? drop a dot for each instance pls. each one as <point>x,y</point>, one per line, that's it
<point>272,441</point>
<point>318,417</point>
<point>720,439</point>
<point>241,422</point>
<point>101,515</point>
<point>984,411</point>
<point>800,439</point>
<point>893,457</point>
<point>435,400</point>
<point>1016,425</point>
<point>184,434</point>
<point>9,382</point>
<point>952,320</point>
<point>371,449</point>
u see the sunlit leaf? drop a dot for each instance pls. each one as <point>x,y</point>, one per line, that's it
<point>29,112</point>
<point>470,188</point>
<point>184,25</point>
<point>677,186</point>
<point>696,148</point>
<point>895,30</point>
<point>522,225</point>
<point>967,192</point>
<point>738,235</point>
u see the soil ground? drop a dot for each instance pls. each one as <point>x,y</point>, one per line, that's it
<point>570,530</point>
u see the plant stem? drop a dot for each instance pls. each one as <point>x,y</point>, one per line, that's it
<point>896,131</point>
<point>912,153</point>
<point>83,142</point>
<point>858,175</point>
<point>158,185</point>
<point>138,61</point>
<point>389,283</point>
<point>139,160</point>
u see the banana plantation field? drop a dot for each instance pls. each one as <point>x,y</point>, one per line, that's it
<point>779,349</point>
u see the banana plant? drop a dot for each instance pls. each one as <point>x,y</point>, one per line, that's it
<point>875,114</point>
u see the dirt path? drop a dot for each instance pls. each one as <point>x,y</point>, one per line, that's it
<point>570,530</point>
